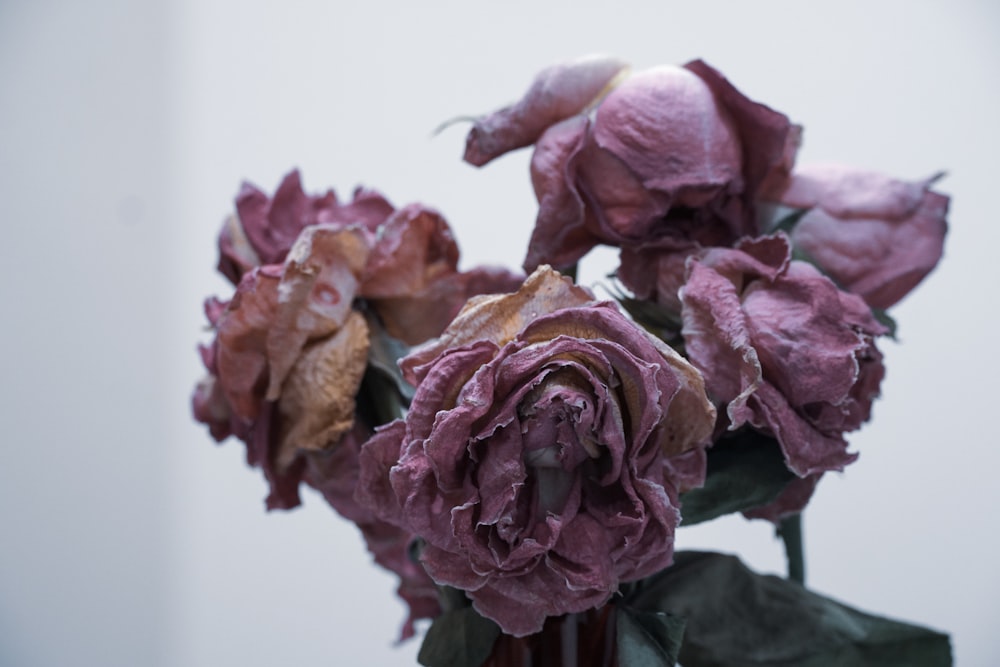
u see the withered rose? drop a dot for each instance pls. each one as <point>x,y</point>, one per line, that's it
<point>874,235</point>
<point>663,160</point>
<point>288,357</point>
<point>783,349</point>
<point>542,455</point>
<point>411,277</point>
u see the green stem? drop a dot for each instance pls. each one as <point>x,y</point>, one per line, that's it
<point>790,531</point>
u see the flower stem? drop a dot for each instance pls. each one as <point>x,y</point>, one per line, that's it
<point>790,531</point>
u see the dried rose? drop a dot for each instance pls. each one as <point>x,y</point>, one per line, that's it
<point>874,235</point>
<point>783,349</point>
<point>669,159</point>
<point>535,459</point>
<point>411,278</point>
<point>288,357</point>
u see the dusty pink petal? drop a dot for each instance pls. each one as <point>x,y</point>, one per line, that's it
<point>557,93</point>
<point>717,339</point>
<point>623,210</point>
<point>334,472</point>
<point>377,456</point>
<point>767,138</point>
<point>273,223</point>
<point>368,210</point>
<point>242,335</point>
<point>415,246</point>
<point>876,236</point>
<point>667,126</point>
<point>284,481</point>
<point>210,407</point>
<point>797,332</point>
<point>807,450</point>
<point>560,237</point>
<point>265,228</point>
<point>777,179</point>
<point>417,318</point>
<point>237,255</point>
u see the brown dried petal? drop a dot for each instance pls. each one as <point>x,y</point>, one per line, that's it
<point>317,288</point>
<point>316,405</point>
<point>498,318</point>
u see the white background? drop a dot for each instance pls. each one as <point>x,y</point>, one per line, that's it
<point>129,539</point>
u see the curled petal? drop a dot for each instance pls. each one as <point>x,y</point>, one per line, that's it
<point>557,93</point>
<point>767,138</point>
<point>783,348</point>
<point>875,235</point>
<point>242,337</point>
<point>560,237</point>
<point>498,318</point>
<point>265,228</point>
<point>317,288</point>
<point>415,246</point>
<point>316,405</point>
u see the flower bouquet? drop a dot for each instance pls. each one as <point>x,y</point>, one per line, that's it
<point>524,454</point>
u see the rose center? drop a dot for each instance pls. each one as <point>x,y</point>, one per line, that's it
<point>557,422</point>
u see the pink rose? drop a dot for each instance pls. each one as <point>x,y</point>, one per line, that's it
<point>288,357</point>
<point>784,350</point>
<point>543,452</point>
<point>667,159</point>
<point>874,235</point>
<point>411,278</point>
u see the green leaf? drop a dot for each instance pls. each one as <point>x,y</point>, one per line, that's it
<point>458,638</point>
<point>790,532</point>
<point>886,320</point>
<point>738,618</point>
<point>744,471</point>
<point>648,639</point>
<point>788,220</point>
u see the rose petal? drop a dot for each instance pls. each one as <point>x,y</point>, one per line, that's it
<point>556,93</point>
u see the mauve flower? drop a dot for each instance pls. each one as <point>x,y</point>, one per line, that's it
<point>874,235</point>
<point>783,349</point>
<point>411,277</point>
<point>543,452</point>
<point>288,357</point>
<point>667,159</point>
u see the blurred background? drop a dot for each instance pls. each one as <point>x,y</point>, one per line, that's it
<point>128,538</point>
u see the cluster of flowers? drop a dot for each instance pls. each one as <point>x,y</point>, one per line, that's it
<point>531,447</point>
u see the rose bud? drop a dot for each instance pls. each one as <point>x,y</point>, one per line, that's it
<point>782,349</point>
<point>874,235</point>
<point>669,158</point>
<point>543,452</point>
